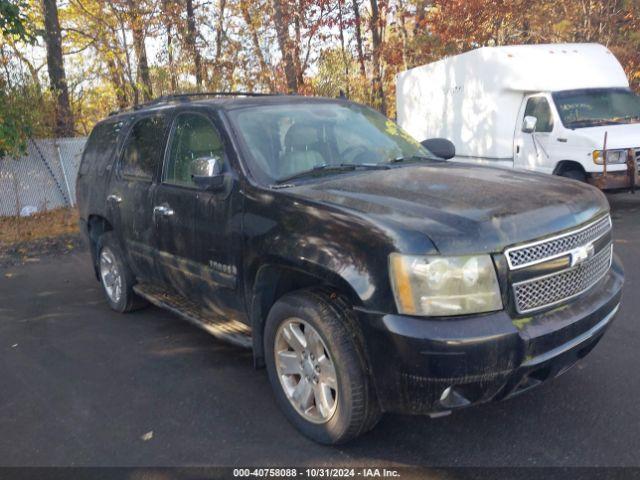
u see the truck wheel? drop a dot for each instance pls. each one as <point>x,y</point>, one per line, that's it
<point>116,277</point>
<point>574,174</point>
<point>316,368</point>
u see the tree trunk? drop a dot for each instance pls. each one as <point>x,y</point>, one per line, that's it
<point>376,43</point>
<point>217,61</point>
<point>167,19</point>
<point>118,82</point>
<point>220,29</point>
<point>297,24</point>
<point>192,35</point>
<point>404,35</point>
<point>143,66</point>
<point>357,18</point>
<point>64,118</point>
<point>281,19</point>
<point>136,23</point>
<point>345,60</point>
<point>257,50</point>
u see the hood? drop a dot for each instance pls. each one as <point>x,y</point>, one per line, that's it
<point>462,209</point>
<point>618,136</point>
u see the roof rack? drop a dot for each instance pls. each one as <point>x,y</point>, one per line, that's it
<point>186,96</point>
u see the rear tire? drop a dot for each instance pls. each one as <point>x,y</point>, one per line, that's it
<point>115,276</point>
<point>329,411</point>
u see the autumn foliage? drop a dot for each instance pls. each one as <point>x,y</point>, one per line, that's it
<point>117,53</point>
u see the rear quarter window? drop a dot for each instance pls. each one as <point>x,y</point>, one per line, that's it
<point>100,148</point>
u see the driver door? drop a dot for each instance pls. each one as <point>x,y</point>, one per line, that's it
<point>532,149</point>
<point>176,201</point>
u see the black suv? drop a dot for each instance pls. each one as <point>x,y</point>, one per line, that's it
<point>366,272</point>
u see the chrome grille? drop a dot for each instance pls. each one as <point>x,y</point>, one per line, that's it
<point>558,287</point>
<point>543,250</point>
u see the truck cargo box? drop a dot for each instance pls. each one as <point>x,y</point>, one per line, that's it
<point>473,99</point>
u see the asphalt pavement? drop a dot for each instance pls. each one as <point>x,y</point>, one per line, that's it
<point>81,385</point>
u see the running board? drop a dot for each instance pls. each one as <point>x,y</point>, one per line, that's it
<point>231,331</point>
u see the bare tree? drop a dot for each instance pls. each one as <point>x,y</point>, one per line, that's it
<point>64,117</point>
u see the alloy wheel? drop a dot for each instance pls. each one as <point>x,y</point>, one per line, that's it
<point>306,370</point>
<point>110,275</point>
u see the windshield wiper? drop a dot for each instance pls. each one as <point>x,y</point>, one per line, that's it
<point>594,122</point>
<point>328,168</point>
<point>401,159</point>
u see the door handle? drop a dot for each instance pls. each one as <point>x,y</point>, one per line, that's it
<point>163,211</point>
<point>114,198</point>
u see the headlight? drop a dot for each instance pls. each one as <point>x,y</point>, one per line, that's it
<point>441,286</point>
<point>613,156</point>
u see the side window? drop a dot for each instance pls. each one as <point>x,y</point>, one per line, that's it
<point>100,147</point>
<point>144,147</point>
<point>194,136</point>
<point>539,107</point>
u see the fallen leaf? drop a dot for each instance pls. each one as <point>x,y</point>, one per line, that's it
<point>147,436</point>
<point>8,274</point>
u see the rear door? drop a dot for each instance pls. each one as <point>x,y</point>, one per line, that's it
<point>130,196</point>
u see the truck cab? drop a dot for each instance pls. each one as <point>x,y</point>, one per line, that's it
<point>572,130</point>
<point>553,109</point>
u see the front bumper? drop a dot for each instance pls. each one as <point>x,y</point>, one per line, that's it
<point>619,179</point>
<point>424,366</point>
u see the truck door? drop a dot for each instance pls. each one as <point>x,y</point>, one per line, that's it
<point>130,195</point>
<point>531,150</point>
<point>196,248</point>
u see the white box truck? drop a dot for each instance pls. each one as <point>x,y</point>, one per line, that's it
<point>548,108</point>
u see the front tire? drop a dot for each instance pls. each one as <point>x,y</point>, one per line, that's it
<point>116,277</point>
<point>574,174</point>
<point>316,368</point>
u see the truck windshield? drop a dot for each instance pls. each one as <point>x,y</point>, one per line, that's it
<point>316,139</point>
<point>595,107</point>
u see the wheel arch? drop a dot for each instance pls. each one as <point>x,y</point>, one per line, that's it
<point>274,280</point>
<point>565,165</point>
<point>97,225</point>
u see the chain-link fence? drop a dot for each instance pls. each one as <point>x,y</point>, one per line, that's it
<point>43,179</point>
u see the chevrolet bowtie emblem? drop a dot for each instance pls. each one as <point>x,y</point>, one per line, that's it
<point>580,254</point>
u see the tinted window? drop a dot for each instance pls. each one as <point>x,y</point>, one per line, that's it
<point>100,147</point>
<point>144,147</point>
<point>288,139</point>
<point>539,107</point>
<point>193,137</point>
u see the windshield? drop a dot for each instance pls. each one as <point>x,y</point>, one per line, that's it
<point>595,107</point>
<point>285,141</point>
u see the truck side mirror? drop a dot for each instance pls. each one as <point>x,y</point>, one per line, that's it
<point>529,124</point>
<point>440,147</point>
<point>206,172</point>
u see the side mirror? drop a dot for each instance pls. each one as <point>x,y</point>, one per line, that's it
<point>440,147</point>
<point>206,172</point>
<point>529,124</point>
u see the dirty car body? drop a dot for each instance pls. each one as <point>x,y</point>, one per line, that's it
<point>234,249</point>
